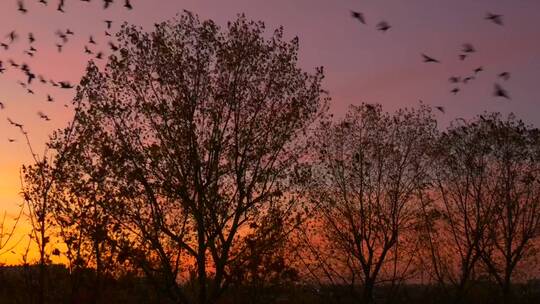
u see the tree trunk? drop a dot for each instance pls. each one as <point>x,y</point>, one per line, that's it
<point>507,292</point>
<point>367,294</point>
<point>201,266</point>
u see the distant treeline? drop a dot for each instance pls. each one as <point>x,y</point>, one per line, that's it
<point>202,166</point>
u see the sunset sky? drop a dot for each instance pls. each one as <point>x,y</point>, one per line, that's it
<point>361,63</point>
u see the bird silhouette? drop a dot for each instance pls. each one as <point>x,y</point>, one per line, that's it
<point>43,116</point>
<point>359,16</point>
<point>65,85</point>
<point>107,3</point>
<point>428,59</point>
<point>60,7</point>
<point>467,79</point>
<point>478,70</point>
<point>127,4</point>
<point>383,26</point>
<point>440,108</point>
<point>12,36</point>
<point>87,50</point>
<point>113,46</point>
<point>455,90</point>
<point>21,8</point>
<point>504,75</point>
<point>62,36</point>
<point>495,18</point>
<point>500,92</point>
<point>468,48</point>
<point>454,79</point>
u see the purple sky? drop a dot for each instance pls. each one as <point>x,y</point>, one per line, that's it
<point>361,63</point>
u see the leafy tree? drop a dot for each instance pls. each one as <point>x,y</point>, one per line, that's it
<point>190,133</point>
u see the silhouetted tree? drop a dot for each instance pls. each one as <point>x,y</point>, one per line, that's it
<point>513,185</point>
<point>37,180</point>
<point>368,171</point>
<point>191,133</point>
<point>463,205</point>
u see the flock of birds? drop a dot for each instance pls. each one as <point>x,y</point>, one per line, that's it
<point>63,36</point>
<point>467,50</point>
<point>61,4</point>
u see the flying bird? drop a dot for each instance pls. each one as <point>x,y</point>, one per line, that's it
<point>43,116</point>
<point>107,3</point>
<point>500,92</point>
<point>467,79</point>
<point>113,47</point>
<point>440,108</point>
<point>495,18</point>
<point>478,70</point>
<point>21,8</point>
<point>454,79</point>
<point>12,36</point>
<point>429,59</point>
<point>66,85</point>
<point>359,16</point>
<point>383,26</point>
<point>60,7</point>
<point>504,75</point>
<point>468,48</point>
<point>455,91</point>
<point>127,4</point>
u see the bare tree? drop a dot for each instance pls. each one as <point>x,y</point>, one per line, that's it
<point>36,180</point>
<point>514,188</point>
<point>37,183</point>
<point>463,205</point>
<point>191,133</point>
<point>8,239</point>
<point>368,171</point>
